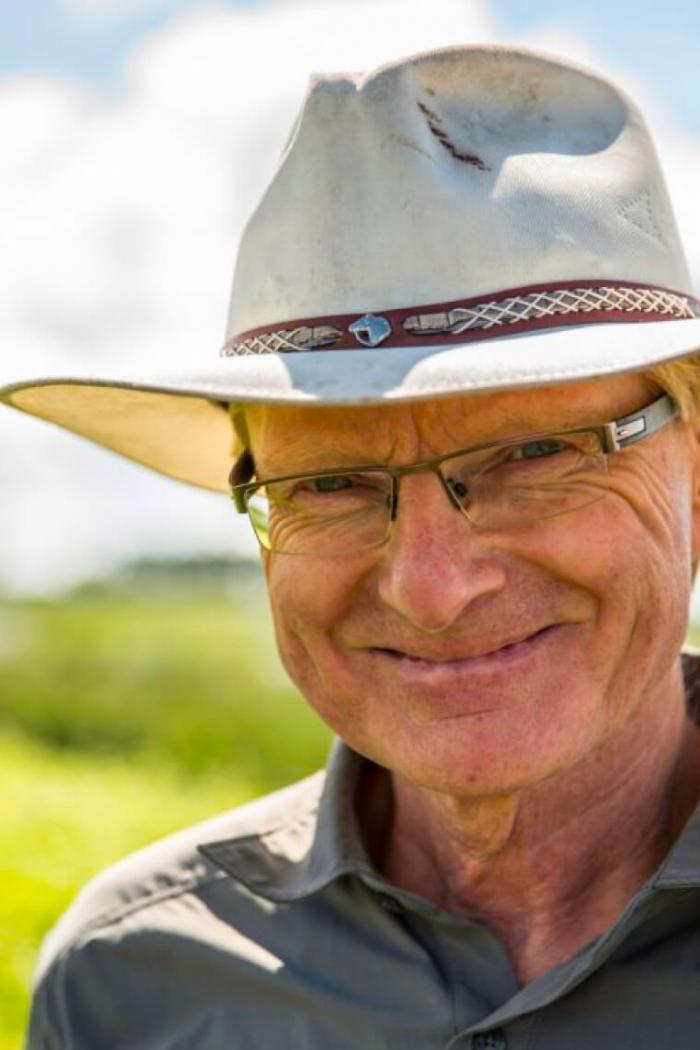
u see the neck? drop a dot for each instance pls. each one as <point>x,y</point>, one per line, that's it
<point>549,867</point>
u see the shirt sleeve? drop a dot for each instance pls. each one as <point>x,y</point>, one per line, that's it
<point>46,1029</point>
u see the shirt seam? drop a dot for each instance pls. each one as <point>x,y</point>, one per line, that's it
<point>117,915</point>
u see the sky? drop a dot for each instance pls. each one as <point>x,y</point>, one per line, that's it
<point>137,137</point>
<point>91,39</point>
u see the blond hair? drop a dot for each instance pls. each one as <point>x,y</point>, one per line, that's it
<point>681,379</point>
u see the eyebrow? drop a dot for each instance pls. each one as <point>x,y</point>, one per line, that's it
<point>296,453</point>
<point>315,459</point>
<point>300,456</point>
<point>565,417</point>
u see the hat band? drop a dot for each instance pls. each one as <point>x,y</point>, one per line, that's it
<point>514,310</point>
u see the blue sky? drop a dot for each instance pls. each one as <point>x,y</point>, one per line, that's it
<point>69,39</point>
<point>89,39</point>
<point>661,40</point>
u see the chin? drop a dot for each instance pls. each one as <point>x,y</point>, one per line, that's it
<point>475,755</point>
<point>472,779</point>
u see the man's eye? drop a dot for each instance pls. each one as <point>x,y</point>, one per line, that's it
<point>355,485</point>
<point>307,490</point>
<point>538,449</point>
<point>331,483</point>
<point>350,486</point>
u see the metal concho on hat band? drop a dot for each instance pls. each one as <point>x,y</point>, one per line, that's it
<point>513,311</point>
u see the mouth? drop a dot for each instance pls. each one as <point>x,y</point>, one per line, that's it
<point>503,653</point>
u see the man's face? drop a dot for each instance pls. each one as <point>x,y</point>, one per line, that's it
<point>475,661</point>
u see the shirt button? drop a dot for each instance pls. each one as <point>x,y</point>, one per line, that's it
<point>494,1040</point>
<point>389,903</point>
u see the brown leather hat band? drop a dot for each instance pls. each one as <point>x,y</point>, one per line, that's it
<point>512,311</point>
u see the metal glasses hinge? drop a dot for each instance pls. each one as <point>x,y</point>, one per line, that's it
<point>630,429</point>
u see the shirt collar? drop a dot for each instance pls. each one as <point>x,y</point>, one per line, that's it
<point>309,836</point>
<point>312,839</point>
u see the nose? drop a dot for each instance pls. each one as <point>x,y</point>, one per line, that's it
<point>435,564</point>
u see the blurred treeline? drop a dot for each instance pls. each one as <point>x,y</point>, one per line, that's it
<point>129,708</point>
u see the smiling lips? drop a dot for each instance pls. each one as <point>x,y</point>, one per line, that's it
<point>462,658</point>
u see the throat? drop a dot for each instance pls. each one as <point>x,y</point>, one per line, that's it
<point>545,874</point>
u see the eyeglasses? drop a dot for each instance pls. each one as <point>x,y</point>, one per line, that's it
<point>498,485</point>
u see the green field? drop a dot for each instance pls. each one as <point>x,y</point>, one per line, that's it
<point>123,718</point>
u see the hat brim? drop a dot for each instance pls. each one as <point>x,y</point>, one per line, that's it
<point>178,423</point>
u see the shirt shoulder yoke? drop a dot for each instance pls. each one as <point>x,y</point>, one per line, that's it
<point>172,866</point>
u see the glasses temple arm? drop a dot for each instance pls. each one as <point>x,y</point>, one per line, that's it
<point>629,429</point>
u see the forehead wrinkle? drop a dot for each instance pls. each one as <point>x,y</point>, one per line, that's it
<point>463,428</point>
<point>471,420</point>
<point>285,438</point>
<point>289,439</point>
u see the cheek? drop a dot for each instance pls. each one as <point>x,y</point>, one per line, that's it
<point>632,554</point>
<point>654,508</point>
<point>640,536</point>
<point>307,598</point>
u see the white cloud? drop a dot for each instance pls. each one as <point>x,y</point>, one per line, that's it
<point>118,244</point>
<point>119,230</point>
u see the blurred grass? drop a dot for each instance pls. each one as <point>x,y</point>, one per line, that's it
<point>196,679</point>
<point>123,718</point>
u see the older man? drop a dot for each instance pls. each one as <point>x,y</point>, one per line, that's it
<point>466,427</point>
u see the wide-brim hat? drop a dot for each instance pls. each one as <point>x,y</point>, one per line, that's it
<point>465,220</point>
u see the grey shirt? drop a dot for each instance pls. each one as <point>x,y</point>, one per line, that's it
<point>269,928</point>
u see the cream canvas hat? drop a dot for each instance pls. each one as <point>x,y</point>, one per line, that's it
<point>468,219</point>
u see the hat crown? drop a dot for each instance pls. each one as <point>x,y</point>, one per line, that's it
<point>453,174</point>
<point>461,222</point>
